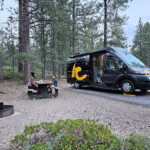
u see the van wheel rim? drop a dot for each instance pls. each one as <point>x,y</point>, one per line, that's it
<point>127,87</point>
<point>76,85</point>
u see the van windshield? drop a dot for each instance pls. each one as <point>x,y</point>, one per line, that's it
<point>132,61</point>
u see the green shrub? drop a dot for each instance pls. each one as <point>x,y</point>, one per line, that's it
<point>8,75</point>
<point>39,146</point>
<point>67,135</point>
<point>75,135</point>
<point>18,76</point>
<point>137,142</point>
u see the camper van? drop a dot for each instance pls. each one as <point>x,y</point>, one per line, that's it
<point>108,68</point>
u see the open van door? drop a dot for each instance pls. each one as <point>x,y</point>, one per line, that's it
<point>98,65</point>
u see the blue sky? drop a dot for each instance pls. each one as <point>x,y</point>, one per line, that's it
<point>137,9</point>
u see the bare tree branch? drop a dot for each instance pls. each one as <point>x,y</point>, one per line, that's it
<point>40,21</point>
<point>30,12</point>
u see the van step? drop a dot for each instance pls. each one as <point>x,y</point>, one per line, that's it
<point>98,85</point>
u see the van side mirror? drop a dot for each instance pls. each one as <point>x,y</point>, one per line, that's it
<point>123,68</point>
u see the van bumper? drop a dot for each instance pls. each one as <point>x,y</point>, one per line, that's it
<point>143,85</point>
<point>143,81</point>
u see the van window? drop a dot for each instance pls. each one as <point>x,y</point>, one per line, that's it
<point>113,62</point>
<point>132,61</point>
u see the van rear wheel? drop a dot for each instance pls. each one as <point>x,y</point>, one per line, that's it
<point>127,86</point>
<point>77,85</point>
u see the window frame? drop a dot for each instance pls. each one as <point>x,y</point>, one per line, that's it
<point>114,57</point>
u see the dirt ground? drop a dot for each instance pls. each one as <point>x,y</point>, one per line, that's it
<point>123,119</point>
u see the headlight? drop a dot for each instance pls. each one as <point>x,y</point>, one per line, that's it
<point>147,71</point>
<point>137,70</point>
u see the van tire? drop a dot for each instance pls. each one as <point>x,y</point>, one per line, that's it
<point>77,85</point>
<point>127,86</point>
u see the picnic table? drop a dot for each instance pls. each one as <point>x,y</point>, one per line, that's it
<point>43,91</point>
<point>43,88</point>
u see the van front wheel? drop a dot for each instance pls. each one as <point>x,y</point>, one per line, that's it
<point>127,86</point>
<point>77,85</point>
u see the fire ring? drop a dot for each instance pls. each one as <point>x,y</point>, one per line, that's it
<point>6,110</point>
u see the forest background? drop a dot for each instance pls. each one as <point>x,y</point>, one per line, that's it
<point>40,35</point>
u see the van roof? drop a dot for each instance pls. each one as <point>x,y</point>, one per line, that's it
<point>91,52</point>
<point>106,49</point>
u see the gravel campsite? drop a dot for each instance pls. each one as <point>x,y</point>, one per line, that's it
<point>122,118</point>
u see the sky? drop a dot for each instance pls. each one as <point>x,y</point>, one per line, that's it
<point>137,9</point>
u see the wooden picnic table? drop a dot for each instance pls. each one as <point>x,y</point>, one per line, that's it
<point>43,88</point>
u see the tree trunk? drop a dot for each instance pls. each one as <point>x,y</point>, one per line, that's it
<point>105,23</point>
<point>63,70</point>
<point>44,68</point>
<point>1,74</point>
<point>149,59</point>
<point>20,65</point>
<point>43,58</point>
<point>53,53</point>
<point>92,40</point>
<point>54,68</point>
<point>60,59</point>
<point>12,51</point>
<point>24,41</point>
<point>43,51</point>
<point>73,28</point>
<point>140,42</point>
<point>13,66</point>
<point>59,72</point>
<point>43,43</point>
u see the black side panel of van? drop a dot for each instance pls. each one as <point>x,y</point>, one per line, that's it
<point>83,64</point>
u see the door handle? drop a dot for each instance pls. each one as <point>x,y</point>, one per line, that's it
<point>105,71</point>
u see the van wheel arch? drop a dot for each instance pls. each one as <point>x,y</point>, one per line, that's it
<point>125,78</point>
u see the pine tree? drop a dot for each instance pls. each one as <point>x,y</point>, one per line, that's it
<point>60,28</point>
<point>141,43</point>
<point>111,8</point>
<point>146,43</point>
<point>24,40</point>
<point>137,46</point>
<point>1,73</point>
<point>1,47</point>
<point>117,36</point>
<point>11,42</point>
<point>82,18</point>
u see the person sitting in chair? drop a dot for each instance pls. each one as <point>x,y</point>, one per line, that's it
<point>31,84</point>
